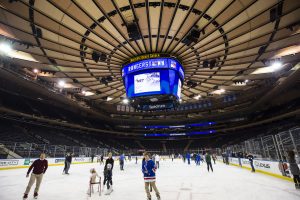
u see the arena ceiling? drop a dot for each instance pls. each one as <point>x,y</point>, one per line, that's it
<point>239,42</point>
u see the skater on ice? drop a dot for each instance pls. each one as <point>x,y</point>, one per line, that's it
<point>149,169</point>
<point>122,159</point>
<point>109,165</point>
<point>250,158</point>
<point>93,181</point>
<point>39,167</point>
<point>208,162</point>
<point>68,161</point>
<point>294,169</point>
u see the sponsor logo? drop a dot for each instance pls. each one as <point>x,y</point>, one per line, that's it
<point>79,159</point>
<point>59,160</point>
<point>263,165</point>
<point>8,162</point>
<point>28,161</point>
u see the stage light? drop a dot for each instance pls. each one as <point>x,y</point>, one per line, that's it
<point>246,81</point>
<point>109,99</point>
<point>35,71</point>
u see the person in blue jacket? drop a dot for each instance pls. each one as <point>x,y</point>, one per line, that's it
<point>149,169</point>
<point>188,157</point>
<point>122,158</point>
<point>198,158</point>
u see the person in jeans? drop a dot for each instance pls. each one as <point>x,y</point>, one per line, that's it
<point>39,167</point>
<point>148,169</point>
<point>68,161</point>
<point>121,159</point>
<point>250,158</point>
<point>294,168</point>
<point>208,162</point>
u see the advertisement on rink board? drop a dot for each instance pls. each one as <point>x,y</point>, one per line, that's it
<point>7,163</point>
<point>266,166</point>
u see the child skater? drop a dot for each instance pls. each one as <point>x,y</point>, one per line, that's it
<point>108,179</point>
<point>93,177</point>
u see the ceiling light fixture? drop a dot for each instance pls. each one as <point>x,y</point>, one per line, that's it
<point>5,48</point>
<point>61,83</point>
<point>35,71</point>
<point>276,66</point>
<point>197,97</point>
<point>125,101</point>
<point>109,98</point>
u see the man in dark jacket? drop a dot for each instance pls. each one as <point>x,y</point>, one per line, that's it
<point>295,171</point>
<point>250,158</point>
<point>39,167</point>
<point>208,161</point>
<point>68,162</point>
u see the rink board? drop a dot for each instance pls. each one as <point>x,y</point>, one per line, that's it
<point>266,167</point>
<point>25,163</point>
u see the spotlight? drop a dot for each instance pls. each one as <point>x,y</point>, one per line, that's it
<point>246,81</point>
<point>35,71</point>
<point>61,83</point>
<point>5,48</point>
<point>222,90</point>
<point>197,97</point>
<point>276,66</point>
<point>125,101</point>
<point>109,98</point>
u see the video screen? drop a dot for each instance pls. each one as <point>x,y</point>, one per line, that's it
<point>148,82</point>
<point>160,76</point>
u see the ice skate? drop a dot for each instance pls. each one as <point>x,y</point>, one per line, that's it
<point>297,186</point>
<point>25,197</point>
<point>109,191</point>
<point>35,195</point>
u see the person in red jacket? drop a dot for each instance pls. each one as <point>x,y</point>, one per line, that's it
<point>39,167</point>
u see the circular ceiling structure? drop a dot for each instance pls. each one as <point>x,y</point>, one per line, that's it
<point>226,47</point>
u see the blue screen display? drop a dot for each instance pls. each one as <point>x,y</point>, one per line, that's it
<point>160,76</point>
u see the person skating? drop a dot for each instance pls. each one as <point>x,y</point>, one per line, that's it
<point>39,167</point>
<point>214,157</point>
<point>188,157</point>
<point>294,168</point>
<point>250,158</point>
<point>101,159</point>
<point>121,159</point>
<point>109,165</point>
<point>108,178</point>
<point>148,169</point>
<point>136,160</point>
<point>68,161</point>
<point>208,161</point>
<point>157,159</point>
<point>93,181</point>
<point>172,156</point>
<point>198,159</point>
<point>92,158</point>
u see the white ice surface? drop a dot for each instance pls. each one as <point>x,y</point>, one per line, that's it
<point>175,181</point>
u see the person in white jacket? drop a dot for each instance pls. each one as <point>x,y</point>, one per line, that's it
<point>157,159</point>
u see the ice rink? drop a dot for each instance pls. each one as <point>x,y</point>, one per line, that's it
<point>175,181</point>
